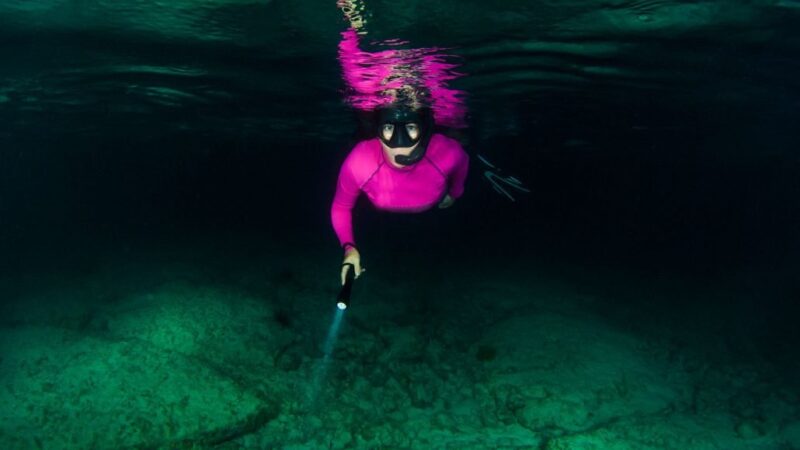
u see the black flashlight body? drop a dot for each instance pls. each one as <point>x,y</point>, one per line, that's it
<point>343,300</point>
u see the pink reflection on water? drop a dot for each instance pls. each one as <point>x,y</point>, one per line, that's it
<point>419,75</point>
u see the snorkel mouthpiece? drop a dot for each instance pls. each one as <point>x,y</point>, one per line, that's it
<point>414,157</point>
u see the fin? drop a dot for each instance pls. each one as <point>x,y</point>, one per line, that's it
<point>493,175</point>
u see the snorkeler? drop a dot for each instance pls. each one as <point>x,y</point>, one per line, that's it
<point>405,168</point>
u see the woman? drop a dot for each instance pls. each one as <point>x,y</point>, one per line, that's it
<point>405,168</point>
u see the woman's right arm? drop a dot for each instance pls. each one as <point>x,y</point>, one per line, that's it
<point>344,200</point>
<point>347,191</point>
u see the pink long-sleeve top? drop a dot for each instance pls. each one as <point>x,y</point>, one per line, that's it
<point>413,188</point>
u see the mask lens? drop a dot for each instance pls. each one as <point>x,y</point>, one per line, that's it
<point>387,131</point>
<point>413,131</point>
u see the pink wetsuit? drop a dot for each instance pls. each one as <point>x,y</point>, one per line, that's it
<point>413,188</point>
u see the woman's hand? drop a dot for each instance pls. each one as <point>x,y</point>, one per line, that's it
<point>446,202</point>
<point>351,256</point>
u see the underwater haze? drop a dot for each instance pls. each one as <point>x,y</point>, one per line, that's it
<point>169,272</point>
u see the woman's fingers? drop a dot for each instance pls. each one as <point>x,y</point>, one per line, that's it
<point>352,261</point>
<point>358,271</point>
<point>355,266</point>
<point>446,202</point>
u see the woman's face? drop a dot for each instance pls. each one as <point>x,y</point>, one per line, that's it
<point>388,130</point>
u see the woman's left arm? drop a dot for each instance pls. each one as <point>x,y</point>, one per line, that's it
<point>456,178</point>
<point>458,175</point>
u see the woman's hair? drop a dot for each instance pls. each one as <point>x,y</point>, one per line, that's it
<point>414,77</point>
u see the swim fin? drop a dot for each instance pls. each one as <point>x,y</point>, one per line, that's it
<point>498,180</point>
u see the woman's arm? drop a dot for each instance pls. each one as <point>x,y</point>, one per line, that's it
<point>456,177</point>
<point>344,200</point>
<point>347,191</point>
<point>459,174</point>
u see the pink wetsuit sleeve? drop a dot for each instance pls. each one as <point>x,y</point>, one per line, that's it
<point>347,191</point>
<point>459,175</point>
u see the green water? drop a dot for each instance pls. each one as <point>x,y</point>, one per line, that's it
<point>168,268</point>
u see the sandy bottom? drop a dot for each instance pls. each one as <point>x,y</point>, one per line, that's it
<point>187,349</point>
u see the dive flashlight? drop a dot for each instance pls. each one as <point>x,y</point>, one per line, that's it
<point>343,301</point>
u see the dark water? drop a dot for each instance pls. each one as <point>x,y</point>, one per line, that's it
<point>658,133</point>
<point>659,139</point>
